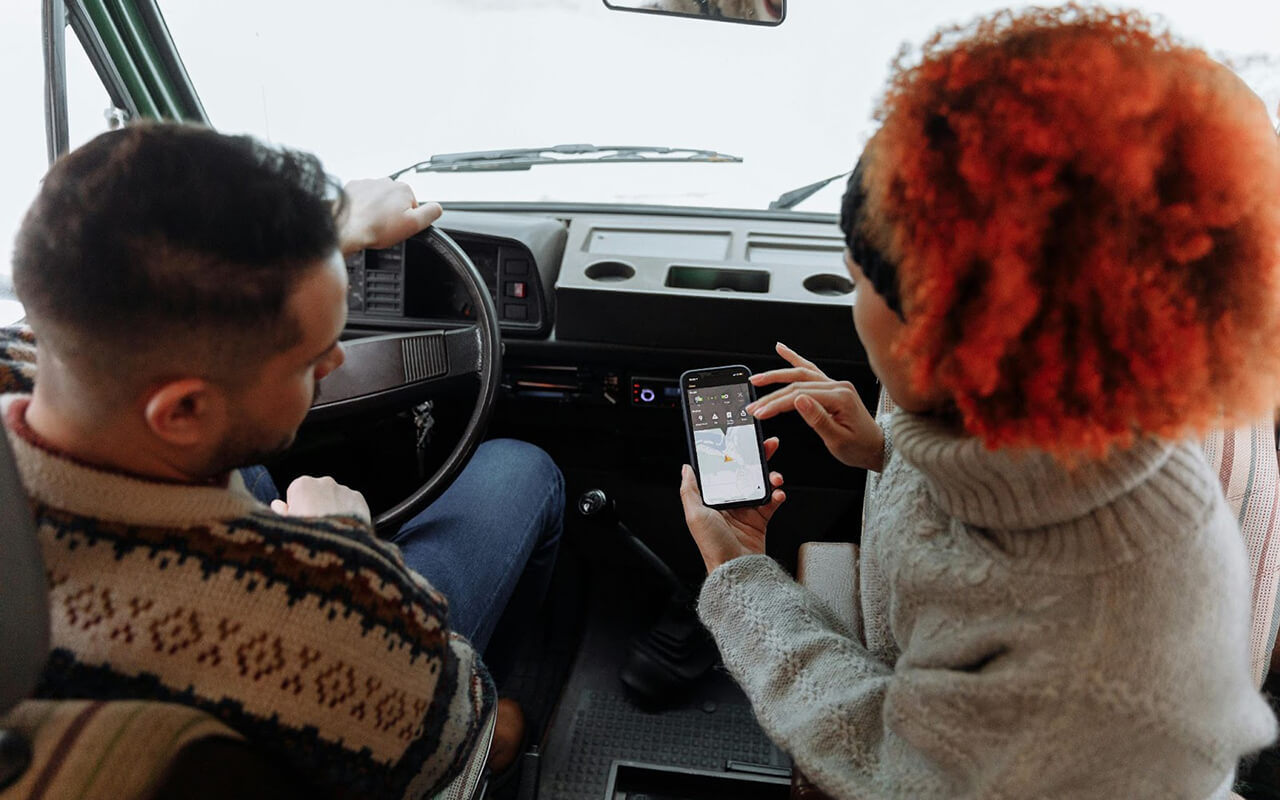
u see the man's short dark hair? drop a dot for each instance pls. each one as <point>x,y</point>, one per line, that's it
<point>176,240</point>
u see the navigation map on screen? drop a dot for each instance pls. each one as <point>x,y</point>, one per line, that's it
<point>726,445</point>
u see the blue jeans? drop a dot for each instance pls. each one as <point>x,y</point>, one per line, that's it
<point>488,543</point>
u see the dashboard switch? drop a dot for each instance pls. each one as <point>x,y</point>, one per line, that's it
<point>655,392</point>
<point>514,311</point>
<point>517,289</point>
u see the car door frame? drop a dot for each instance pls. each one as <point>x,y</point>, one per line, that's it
<point>134,55</point>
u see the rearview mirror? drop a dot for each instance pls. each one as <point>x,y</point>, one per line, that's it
<point>754,12</point>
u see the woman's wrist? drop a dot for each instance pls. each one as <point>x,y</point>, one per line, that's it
<point>872,457</point>
<point>716,561</point>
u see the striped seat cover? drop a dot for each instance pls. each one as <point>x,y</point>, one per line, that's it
<point>1245,460</point>
<point>121,750</point>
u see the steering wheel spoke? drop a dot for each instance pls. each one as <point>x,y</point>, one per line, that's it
<point>396,369</point>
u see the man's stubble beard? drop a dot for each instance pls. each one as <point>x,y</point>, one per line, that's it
<point>245,447</point>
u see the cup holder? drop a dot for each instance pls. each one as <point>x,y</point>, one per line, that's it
<point>610,271</point>
<point>828,285</point>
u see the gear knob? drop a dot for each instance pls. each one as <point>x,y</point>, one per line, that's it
<point>594,503</point>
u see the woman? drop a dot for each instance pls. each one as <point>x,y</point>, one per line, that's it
<point>1065,238</point>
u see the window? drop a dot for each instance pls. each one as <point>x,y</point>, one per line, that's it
<point>23,157</point>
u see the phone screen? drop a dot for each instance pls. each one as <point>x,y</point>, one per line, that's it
<point>726,439</point>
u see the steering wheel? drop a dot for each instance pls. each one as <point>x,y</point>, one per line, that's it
<point>404,368</point>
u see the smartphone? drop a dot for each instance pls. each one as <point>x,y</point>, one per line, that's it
<point>725,444</point>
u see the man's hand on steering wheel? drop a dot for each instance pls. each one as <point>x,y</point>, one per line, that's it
<point>382,213</point>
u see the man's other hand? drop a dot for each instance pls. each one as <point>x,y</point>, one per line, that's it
<point>382,213</point>
<point>321,497</point>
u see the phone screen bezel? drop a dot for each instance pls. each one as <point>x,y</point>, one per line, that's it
<point>728,374</point>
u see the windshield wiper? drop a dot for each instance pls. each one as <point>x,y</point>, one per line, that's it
<point>794,197</point>
<point>526,157</point>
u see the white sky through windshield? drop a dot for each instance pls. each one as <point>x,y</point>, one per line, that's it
<point>375,86</point>
<point>378,86</point>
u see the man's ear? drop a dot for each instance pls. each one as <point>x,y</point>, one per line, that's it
<point>186,412</point>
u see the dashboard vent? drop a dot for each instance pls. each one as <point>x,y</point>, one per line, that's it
<point>424,357</point>
<point>383,292</point>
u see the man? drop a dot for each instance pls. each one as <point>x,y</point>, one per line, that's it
<point>187,291</point>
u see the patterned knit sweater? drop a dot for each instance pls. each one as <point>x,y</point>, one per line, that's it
<point>309,636</point>
<point>1027,631</point>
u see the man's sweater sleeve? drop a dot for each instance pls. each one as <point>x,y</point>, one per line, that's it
<point>454,721</point>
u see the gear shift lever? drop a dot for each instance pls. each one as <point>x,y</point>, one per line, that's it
<point>665,660</point>
<point>596,505</point>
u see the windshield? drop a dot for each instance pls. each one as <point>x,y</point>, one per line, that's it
<point>379,86</point>
<point>376,87</point>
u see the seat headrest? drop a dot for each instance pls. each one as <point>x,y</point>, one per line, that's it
<point>24,590</point>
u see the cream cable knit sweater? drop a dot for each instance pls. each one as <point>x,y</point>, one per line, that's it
<point>1028,631</point>
<point>309,636</point>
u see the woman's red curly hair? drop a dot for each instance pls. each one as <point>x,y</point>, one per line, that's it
<point>1085,216</point>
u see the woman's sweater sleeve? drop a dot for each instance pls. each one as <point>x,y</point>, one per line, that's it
<point>860,728</point>
<point>817,692</point>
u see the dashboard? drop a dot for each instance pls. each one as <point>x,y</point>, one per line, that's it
<point>660,280</point>
<point>606,306</point>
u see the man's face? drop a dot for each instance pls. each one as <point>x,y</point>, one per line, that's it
<point>266,412</point>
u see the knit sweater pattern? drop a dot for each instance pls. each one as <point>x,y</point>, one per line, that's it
<point>309,636</point>
<point>1028,631</point>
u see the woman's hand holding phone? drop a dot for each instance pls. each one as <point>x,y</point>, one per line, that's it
<point>832,408</point>
<point>725,535</point>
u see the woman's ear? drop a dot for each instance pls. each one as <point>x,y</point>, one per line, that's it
<point>186,412</point>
